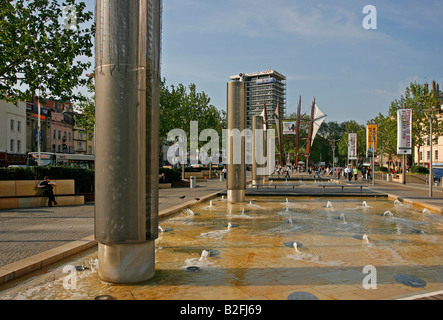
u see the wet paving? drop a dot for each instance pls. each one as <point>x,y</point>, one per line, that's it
<point>300,248</point>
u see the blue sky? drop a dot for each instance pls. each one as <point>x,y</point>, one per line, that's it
<point>321,46</point>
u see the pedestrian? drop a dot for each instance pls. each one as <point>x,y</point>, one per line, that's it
<point>48,190</point>
<point>350,174</point>
<point>363,173</point>
<point>224,172</point>
<point>287,175</point>
<point>369,174</point>
<point>355,173</point>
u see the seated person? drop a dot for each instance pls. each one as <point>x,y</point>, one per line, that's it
<point>47,186</point>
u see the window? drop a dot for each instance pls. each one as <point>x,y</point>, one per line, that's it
<point>59,134</point>
<point>69,135</point>
<point>436,154</point>
<point>12,125</point>
<point>55,134</point>
<point>19,146</point>
<point>11,146</point>
<point>89,150</point>
<point>429,155</point>
<point>19,126</point>
<point>421,155</point>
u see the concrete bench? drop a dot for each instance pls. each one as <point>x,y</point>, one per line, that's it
<point>164,185</point>
<point>25,194</point>
<point>275,186</point>
<point>324,186</point>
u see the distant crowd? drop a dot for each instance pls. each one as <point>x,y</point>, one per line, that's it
<point>349,172</point>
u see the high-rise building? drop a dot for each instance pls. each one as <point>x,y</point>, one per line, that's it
<point>266,87</point>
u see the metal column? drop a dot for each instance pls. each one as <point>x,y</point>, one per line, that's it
<point>236,184</point>
<point>259,144</point>
<point>127,78</point>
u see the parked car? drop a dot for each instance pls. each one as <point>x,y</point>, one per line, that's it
<point>438,174</point>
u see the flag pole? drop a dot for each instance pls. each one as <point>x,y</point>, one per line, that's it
<point>38,128</point>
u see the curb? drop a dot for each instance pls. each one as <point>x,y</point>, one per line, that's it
<point>39,261</point>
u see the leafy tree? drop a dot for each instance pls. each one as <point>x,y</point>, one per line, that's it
<point>40,50</point>
<point>386,136</point>
<point>353,127</point>
<point>86,108</point>
<point>180,105</point>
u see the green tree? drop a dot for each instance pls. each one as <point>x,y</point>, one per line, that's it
<point>386,136</point>
<point>86,108</point>
<point>353,127</point>
<point>40,51</point>
<point>179,105</point>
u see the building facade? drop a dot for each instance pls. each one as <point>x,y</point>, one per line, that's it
<point>265,87</point>
<point>12,133</point>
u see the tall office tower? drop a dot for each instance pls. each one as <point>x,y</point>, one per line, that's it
<point>266,87</point>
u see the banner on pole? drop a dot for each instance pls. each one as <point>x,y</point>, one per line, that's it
<point>352,146</point>
<point>289,127</point>
<point>371,140</point>
<point>404,131</point>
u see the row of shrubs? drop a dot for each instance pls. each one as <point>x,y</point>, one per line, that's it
<point>415,169</point>
<point>84,178</point>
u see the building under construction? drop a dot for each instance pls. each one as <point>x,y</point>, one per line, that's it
<point>264,88</point>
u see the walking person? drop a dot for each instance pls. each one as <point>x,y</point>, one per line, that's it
<point>48,190</point>
<point>355,173</point>
<point>224,171</point>
<point>363,173</point>
<point>350,172</point>
<point>287,175</point>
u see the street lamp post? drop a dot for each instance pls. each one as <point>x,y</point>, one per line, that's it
<point>431,118</point>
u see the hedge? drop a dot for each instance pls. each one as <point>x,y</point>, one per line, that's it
<point>418,169</point>
<point>84,178</point>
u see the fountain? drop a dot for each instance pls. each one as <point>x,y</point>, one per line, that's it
<point>204,255</point>
<point>329,205</point>
<point>127,133</point>
<point>236,122</point>
<point>295,247</point>
<point>365,238</point>
<point>426,211</point>
<point>255,252</point>
<point>388,213</point>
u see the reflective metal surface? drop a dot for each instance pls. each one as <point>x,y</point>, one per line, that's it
<point>127,81</point>
<point>236,175</point>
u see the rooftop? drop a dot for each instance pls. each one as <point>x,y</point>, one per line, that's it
<point>271,73</point>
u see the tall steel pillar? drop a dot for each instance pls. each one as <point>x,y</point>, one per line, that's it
<point>127,79</point>
<point>258,150</point>
<point>236,175</point>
